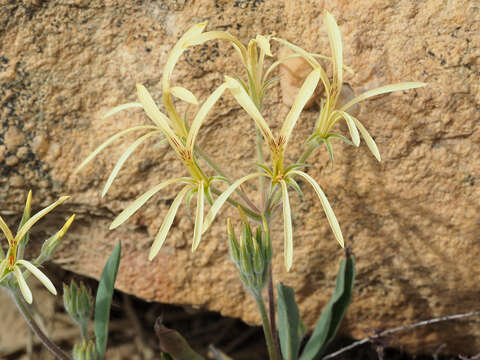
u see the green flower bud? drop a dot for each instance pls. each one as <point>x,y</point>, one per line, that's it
<point>78,302</point>
<point>233,243</point>
<point>50,245</point>
<point>85,351</point>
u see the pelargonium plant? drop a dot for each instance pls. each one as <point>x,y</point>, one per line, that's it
<point>252,251</point>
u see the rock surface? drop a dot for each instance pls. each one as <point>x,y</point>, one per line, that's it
<point>412,220</point>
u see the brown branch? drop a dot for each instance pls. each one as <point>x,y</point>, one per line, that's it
<point>397,329</point>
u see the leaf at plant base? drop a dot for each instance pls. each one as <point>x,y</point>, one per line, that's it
<point>289,322</point>
<point>172,343</point>
<point>333,313</point>
<point>103,300</point>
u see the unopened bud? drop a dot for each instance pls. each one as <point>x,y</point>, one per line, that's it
<point>50,245</point>
<point>85,351</point>
<point>78,302</point>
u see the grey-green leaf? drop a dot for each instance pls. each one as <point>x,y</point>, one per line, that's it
<point>333,313</point>
<point>103,301</point>
<point>289,322</point>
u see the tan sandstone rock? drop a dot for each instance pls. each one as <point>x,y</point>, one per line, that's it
<point>412,220</point>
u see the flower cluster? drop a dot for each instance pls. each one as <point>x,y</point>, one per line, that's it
<point>13,263</point>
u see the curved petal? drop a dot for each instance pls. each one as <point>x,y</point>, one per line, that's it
<point>130,149</point>
<point>351,125</point>
<point>39,275</point>
<point>24,229</point>
<point>142,199</point>
<point>197,232</point>
<point>167,223</point>
<point>368,139</point>
<point>184,94</point>
<point>6,230</point>
<point>24,289</point>
<point>215,208</point>
<point>335,39</point>
<point>202,114</point>
<point>306,91</point>
<point>332,220</point>
<point>109,141</point>
<point>383,90</point>
<point>287,227</point>
<point>248,105</point>
<point>122,107</point>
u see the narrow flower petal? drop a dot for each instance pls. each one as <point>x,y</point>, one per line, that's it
<point>130,149</point>
<point>310,59</point>
<point>306,91</point>
<point>197,232</point>
<point>109,141</point>
<point>287,227</point>
<point>383,90</point>
<point>202,114</point>
<point>39,275</point>
<point>184,94</point>
<point>332,220</point>
<point>24,229</point>
<point>246,102</point>
<point>3,266</point>
<point>221,35</point>
<point>264,44</point>
<point>215,208</point>
<point>351,126</point>
<point>142,199</point>
<point>122,107</point>
<point>335,39</point>
<point>25,290</point>
<point>6,231</point>
<point>368,140</point>
<point>177,51</point>
<point>167,223</point>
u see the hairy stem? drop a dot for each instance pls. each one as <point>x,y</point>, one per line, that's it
<point>266,326</point>
<point>22,307</point>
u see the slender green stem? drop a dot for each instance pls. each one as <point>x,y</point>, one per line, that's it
<point>220,172</point>
<point>266,326</point>
<point>306,154</point>
<point>261,160</point>
<point>22,307</point>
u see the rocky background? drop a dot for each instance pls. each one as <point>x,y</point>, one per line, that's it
<point>412,220</point>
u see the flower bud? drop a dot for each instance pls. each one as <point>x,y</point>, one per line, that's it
<point>78,302</point>
<point>50,245</point>
<point>85,351</point>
